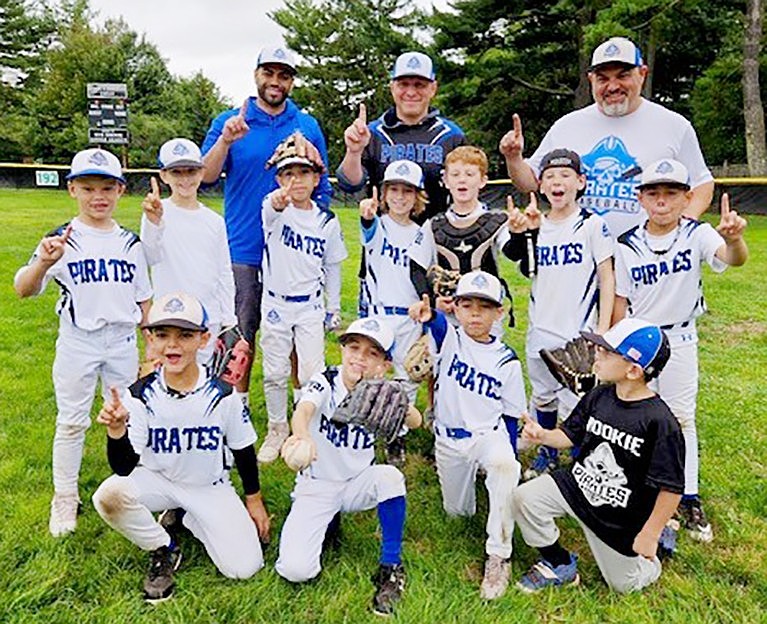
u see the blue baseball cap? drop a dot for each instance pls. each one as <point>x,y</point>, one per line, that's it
<point>617,50</point>
<point>637,341</point>
<point>413,64</point>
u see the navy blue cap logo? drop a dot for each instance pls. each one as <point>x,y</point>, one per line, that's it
<point>174,305</point>
<point>664,167</point>
<point>180,149</point>
<point>480,281</point>
<point>403,169</point>
<point>413,63</point>
<point>98,159</point>
<point>279,53</point>
<point>612,50</point>
<point>371,325</point>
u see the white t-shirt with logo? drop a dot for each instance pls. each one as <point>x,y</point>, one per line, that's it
<point>613,151</point>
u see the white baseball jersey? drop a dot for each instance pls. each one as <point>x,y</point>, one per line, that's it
<point>477,382</point>
<point>299,244</point>
<point>614,149</point>
<point>343,451</point>
<point>424,249</point>
<point>102,275</point>
<point>564,295</point>
<point>189,251</point>
<point>387,264</point>
<point>661,276</point>
<point>184,437</point>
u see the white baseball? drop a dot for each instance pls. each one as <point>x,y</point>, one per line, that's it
<point>298,453</point>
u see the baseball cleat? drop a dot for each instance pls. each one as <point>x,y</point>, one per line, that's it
<point>389,581</point>
<point>332,539</point>
<point>496,578</point>
<point>543,575</point>
<point>694,520</point>
<point>545,462</point>
<point>275,437</point>
<point>64,510</point>
<point>159,583</point>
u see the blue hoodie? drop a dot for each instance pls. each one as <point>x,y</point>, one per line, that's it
<point>247,179</point>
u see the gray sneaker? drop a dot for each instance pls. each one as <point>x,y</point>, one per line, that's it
<point>496,579</point>
<point>163,562</point>
<point>64,510</point>
<point>275,437</point>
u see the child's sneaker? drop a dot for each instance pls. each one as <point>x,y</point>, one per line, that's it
<point>545,462</point>
<point>275,437</point>
<point>496,578</point>
<point>695,521</point>
<point>163,562</point>
<point>64,510</point>
<point>667,539</point>
<point>389,581</point>
<point>543,575</point>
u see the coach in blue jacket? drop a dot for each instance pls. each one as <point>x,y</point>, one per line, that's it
<point>239,142</point>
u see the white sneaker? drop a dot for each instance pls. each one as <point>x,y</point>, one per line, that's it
<point>275,437</point>
<point>64,508</point>
<point>496,578</point>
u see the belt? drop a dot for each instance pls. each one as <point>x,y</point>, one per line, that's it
<point>392,310</point>
<point>295,298</point>
<point>455,433</point>
<point>681,325</point>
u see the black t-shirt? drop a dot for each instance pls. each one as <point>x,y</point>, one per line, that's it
<point>629,450</point>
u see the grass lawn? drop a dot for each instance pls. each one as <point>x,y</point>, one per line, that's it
<point>95,575</point>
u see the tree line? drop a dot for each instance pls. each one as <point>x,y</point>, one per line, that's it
<point>493,58</point>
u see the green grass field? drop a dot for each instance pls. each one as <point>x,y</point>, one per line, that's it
<point>95,575</point>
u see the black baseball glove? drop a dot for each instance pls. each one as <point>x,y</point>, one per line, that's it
<point>379,405</point>
<point>572,365</point>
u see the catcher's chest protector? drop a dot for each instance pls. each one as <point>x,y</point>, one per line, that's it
<point>471,248</point>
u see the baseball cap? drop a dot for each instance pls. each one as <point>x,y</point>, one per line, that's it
<point>404,171</point>
<point>178,153</point>
<point>96,162</point>
<point>665,171</point>
<point>561,158</point>
<point>376,329</point>
<point>413,64</point>
<point>277,55</point>
<point>637,341</point>
<point>287,154</point>
<point>177,309</point>
<point>617,50</point>
<point>481,285</point>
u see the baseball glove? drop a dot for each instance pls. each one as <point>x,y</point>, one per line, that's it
<point>443,282</point>
<point>418,362</point>
<point>572,365</point>
<point>379,405</point>
<point>231,356</point>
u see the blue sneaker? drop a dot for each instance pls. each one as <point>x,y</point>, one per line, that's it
<point>545,462</point>
<point>667,539</point>
<point>543,575</point>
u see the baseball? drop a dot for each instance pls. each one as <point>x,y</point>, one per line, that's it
<point>298,453</point>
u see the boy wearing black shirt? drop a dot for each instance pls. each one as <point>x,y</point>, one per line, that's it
<point>628,477</point>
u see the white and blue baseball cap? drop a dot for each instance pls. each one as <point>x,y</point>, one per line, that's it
<point>665,171</point>
<point>637,341</point>
<point>617,50</point>
<point>480,284</point>
<point>277,55</point>
<point>177,309</point>
<point>413,64</point>
<point>96,162</point>
<point>374,328</point>
<point>178,153</point>
<point>405,171</point>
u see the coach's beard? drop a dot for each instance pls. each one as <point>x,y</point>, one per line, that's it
<point>619,109</point>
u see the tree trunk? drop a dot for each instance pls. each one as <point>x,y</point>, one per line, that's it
<point>582,96</point>
<point>753,113</point>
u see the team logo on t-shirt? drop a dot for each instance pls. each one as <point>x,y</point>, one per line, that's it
<point>601,479</point>
<point>610,171</point>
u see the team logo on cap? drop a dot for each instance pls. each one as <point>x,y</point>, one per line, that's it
<point>180,149</point>
<point>403,169</point>
<point>413,63</point>
<point>612,50</point>
<point>98,158</point>
<point>480,281</point>
<point>279,53</point>
<point>371,325</point>
<point>664,167</point>
<point>174,305</point>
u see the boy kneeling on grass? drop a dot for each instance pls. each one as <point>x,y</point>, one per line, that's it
<point>167,440</point>
<point>628,478</point>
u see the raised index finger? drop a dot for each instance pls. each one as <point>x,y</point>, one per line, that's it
<point>725,206</point>
<point>67,233</point>
<point>115,394</point>
<point>363,114</point>
<point>517,121</point>
<point>510,203</point>
<point>243,109</point>
<point>155,186</point>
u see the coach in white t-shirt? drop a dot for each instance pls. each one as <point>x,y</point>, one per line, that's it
<point>616,137</point>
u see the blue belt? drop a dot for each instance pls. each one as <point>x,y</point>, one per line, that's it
<point>676,325</point>
<point>295,298</point>
<point>455,433</point>
<point>393,310</point>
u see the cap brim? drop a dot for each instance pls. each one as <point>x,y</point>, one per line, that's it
<point>290,68</point>
<point>95,172</point>
<point>403,181</point>
<point>626,64</point>
<point>188,164</point>
<point>180,323</point>
<point>598,340</point>
<point>296,160</point>
<point>478,295</point>
<point>414,75</point>
<point>344,338</point>
<point>683,185</point>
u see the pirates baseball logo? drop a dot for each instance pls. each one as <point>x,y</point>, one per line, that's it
<point>610,178</point>
<point>601,479</point>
